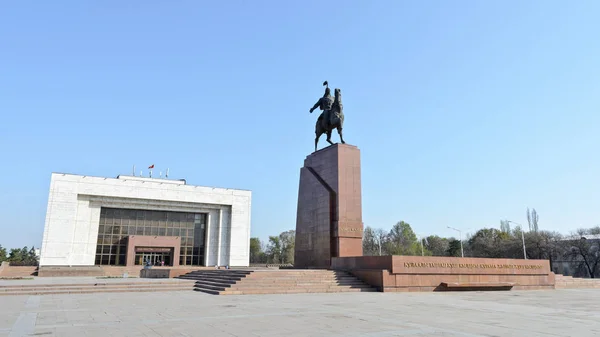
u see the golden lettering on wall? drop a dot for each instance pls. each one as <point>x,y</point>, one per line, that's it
<point>347,229</point>
<point>470,265</point>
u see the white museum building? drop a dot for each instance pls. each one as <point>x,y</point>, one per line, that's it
<point>128,220</point>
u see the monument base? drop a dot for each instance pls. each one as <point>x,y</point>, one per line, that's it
<point>425,273</point>
<point>329,218</point>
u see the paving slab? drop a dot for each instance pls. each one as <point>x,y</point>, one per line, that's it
<point>567,312</point>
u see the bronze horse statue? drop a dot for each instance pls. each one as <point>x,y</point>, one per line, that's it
<point>331,119</point>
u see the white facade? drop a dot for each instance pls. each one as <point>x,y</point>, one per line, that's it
<point>73,215</point>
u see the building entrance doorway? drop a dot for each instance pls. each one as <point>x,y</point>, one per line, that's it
<point>164,257</point>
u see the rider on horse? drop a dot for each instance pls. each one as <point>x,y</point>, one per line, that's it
<point>324,103</point>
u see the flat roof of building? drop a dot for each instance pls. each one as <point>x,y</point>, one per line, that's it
<point>151,180</point>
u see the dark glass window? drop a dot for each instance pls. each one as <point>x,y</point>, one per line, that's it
<point>117,224</point>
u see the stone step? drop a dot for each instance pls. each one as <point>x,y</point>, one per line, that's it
<point>303,282</point>
<point>294,291</point>
<point>288,274</point>
<point>219,274</point>
<point>223,276</point>
<point>91,291</point>
<point>215,275</point>
<point>211,287</point>
<point>212,279</point>
<point>275,282</point>
<point>576,283</point>
<point>212,283</point>
<point>85,287</point>
<point>222,272</point>
<point>313,288</point>
<point>215,283</point>
<point>286,279</point>
<point>98,284</point>
<point>208,291</point>
<point>296,272</point>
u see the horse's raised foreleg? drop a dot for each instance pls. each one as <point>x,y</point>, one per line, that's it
<point>339,128</point>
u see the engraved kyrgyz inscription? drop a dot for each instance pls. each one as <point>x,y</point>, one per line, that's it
<point>345,229</point>
<point>470,265</point>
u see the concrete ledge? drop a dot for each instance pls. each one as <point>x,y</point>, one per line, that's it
<point>446,286</point>
<point>475,284</point>
<point>166,272</point>
<point>154,273</point>
<point>62,271</point>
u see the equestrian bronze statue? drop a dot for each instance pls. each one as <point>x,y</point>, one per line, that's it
<point>332,116</point>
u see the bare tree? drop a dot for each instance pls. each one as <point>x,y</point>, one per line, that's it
<point>584,251</point>
<point>532,219</point>
<point>505,226</point>
<point>380,238</point>
<point>369,242</point>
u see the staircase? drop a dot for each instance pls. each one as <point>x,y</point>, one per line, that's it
<point>96,287</point>
<point>245,282</point>
<point>569,282</point>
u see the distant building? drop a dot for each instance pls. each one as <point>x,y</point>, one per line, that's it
<point>127,221</point>
<point>575,265</point>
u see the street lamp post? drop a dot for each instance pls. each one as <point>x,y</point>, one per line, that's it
<point>522,238</point>
<point>462,253</point>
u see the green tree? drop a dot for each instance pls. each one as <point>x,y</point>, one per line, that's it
<point>288,244</point>
<point>505,226</point>
<point>453,248</point>
<point>3,256</point>
<point>437,246</point>
<point>402,240</point>
<point>274,250</point>
<point>257,254</point>
<point>16,255</point>
<point>369,242</point>
<point>22,256</point>
<point>489,242</point>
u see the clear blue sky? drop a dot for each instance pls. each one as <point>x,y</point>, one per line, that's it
<point>466,112</point>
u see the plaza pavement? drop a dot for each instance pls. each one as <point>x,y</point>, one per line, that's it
<point>183,313</point>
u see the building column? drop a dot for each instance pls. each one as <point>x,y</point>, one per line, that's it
<point>207,241</point>
<point>219,237</point>
<point>130,259</point>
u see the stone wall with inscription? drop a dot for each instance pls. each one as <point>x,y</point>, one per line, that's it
<point>426,273</point>
<point>457,265</point>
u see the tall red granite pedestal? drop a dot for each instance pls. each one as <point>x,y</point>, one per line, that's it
<point>329,219</point>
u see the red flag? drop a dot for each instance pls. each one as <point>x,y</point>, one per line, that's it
<point>151,166</point>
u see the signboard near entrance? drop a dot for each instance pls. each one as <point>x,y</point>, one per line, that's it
<point>153,249</point>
